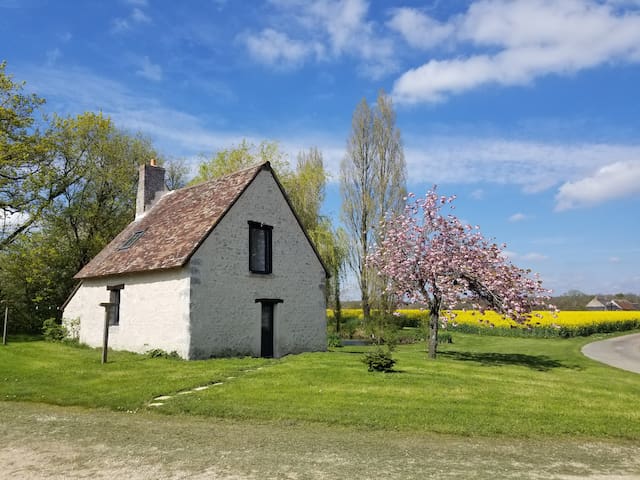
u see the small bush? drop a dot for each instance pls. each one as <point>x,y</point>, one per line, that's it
<point>379,360</point>
<point>53,331</point>
<point>159,353</point>
<point>334,340</point>
<point>445,337</point>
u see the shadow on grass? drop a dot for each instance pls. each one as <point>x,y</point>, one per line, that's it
<point>535,362</point>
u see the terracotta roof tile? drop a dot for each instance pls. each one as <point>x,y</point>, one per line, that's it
<point>173,228</point>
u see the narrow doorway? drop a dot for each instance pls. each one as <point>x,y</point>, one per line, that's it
<point>267,330</point>
<point>267,326</point>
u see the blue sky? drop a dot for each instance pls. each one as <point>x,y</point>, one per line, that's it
<point>528,111</point>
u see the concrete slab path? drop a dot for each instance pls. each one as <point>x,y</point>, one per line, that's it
<point>621,352</point>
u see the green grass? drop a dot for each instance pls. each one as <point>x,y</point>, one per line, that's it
<point>488,386</point>
<point>60,374</point>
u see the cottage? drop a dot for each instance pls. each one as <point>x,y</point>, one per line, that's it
<point>595,304</point>
<point>222,268</point>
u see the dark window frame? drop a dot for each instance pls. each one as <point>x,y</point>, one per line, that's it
<point>263,266</point>
<point>114,300</point>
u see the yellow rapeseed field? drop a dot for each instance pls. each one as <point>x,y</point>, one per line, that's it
<point>490,319</point>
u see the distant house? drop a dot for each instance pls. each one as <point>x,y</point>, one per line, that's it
<point>595,304</point>
<point>222,268</point>
<point>620,304</point>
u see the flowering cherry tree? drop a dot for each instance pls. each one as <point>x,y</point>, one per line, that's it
<point>429,256</point>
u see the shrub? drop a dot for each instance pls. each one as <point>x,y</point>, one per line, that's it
<point>334,340</point>
<point>379,360</point>
<point>445,337</point>
<point>53,331</point>
<point>159,353</point>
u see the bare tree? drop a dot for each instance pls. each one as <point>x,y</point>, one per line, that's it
<point>372,184</point>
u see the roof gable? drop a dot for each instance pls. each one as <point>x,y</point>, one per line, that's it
<point>173,228</point>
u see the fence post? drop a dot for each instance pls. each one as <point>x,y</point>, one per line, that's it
<point>4,329</point>
<point>105,335</point>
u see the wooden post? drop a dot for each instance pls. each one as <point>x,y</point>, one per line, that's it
<point>105,336</point>
<point>4,330</point>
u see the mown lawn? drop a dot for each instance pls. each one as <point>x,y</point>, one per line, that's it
<point>489,386</point>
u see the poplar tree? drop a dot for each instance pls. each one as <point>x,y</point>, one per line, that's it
<point>372,185</point>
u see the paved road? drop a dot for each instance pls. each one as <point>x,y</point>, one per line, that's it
<point>622,352</point>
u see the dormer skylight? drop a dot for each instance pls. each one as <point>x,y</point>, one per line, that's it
<point>131,240</point>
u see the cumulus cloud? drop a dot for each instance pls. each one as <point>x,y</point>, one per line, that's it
<point>323,30</point>
<point>418,29</point>
<point>617,180</point>
<point>149,70</point>
<point>276,48</point>
<point>515,42</point>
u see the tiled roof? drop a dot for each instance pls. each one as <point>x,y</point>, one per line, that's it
<point>173,228</point>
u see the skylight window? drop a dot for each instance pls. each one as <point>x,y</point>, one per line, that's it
<point>131,240</point>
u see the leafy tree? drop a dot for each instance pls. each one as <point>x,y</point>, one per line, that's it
<point>372,184</point>
<point>432,258</point>
<point>306,187</point>
<point>28,182</point>
<point>36,270</point>
<point>177,172</point>
<point>246,154</point>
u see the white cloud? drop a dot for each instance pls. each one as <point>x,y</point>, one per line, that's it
<point>517,217</point>
<point>322,30</point>
<point>149,70</point>
<point>616,180</point>
<point>275,48</point>
<point>535,166</point>
<point>136,17</point>
<point>139,16</point>
<point>528,257</point>
<point>419,30</point>
<point>534,257</point>
<point>519,41</point>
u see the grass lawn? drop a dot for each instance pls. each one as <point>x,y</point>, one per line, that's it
<point>483,386</point>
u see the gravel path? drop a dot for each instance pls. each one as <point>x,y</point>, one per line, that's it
<point>621,352</point>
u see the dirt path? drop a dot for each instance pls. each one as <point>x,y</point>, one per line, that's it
<point>39,441</point>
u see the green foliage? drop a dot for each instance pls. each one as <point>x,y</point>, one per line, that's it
<point>242,156</point>
<point>445,337</point>
<point>36,269</point>
<point>379,360</point>
<point>159,353</point>
<point>53,331</point>
<point>334,340</point>
<point>27,174</point>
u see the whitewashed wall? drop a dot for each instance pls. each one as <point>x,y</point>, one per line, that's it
<point>154,311</point>
<point>225,320</point>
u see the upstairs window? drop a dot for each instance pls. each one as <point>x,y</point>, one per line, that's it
<point>259,247</point>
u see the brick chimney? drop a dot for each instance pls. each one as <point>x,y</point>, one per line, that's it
<point>151,186</point>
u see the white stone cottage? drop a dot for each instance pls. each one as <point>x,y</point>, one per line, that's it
<point>222,268</point>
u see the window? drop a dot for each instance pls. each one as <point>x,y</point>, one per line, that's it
<point>131,240</point>
<point>114,300</point>
<point>259,247</point>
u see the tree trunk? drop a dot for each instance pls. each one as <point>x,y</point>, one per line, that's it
<point>434,321</point>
